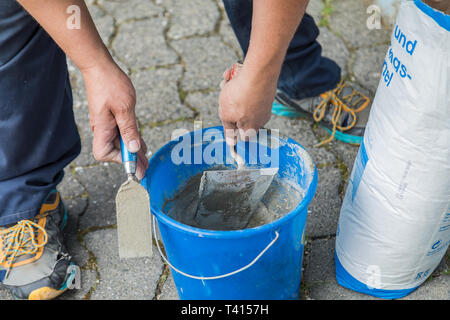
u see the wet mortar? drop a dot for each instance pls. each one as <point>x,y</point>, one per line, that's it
<point>281,198</point>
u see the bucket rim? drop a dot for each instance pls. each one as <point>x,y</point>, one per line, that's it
<point>301,208</point>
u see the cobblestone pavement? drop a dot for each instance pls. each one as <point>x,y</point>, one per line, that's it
<point>175,52</point>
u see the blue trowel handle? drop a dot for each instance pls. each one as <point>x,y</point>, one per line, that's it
<point>129,159</point>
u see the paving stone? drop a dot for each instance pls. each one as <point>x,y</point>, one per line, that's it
<point>333,291</point>
<point>102,182</point>
<point>349,19</point>
<point>320,261</point>
<point>88,280</point>
<point>319,274</point>
<point>103,22</point>
<point>122,279</point>
<point>191,17</point>
<point>5,295</point>
<point>319,278</point>
<point>206,59</point>
<point>300,130</point>
<point>347,152</point>
<point>130,9</point>
<point>229,38</point>
<point>227,33</point>
<point>77,84</point>
<point>85,158</point>
<point>156,137</point>
<point>70,187</point>
<point>157,95</point>
<point>169,290</point>
<point>323,212</point>
<point>314,9</point>
<point>432,289</point>
<point>334,48</point>
<point>75,208</point>
<point>141,44</point>
<point>207,104</point>
<point>368,66</point>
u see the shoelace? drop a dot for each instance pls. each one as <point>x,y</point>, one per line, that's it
<point>340,104</point>
<point>20,240</point>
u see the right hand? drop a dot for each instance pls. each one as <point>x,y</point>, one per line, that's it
<point>112,98</point>
<point>245,103</point>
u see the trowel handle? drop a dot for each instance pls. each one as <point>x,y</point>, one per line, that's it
<point>129,159</point>
<point>240,162</point>
<point>235,69</point>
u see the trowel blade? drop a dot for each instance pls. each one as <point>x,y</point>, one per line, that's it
<point>228,198</point>
<point>133,221</point>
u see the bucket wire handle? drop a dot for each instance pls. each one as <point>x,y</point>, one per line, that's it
<point>214,277</point>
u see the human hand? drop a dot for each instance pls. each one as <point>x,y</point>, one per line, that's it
<point>245,102</point>
<point>112,98</point>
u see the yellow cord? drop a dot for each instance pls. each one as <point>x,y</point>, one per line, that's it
<point>20,240</point>
<point>340,104</point>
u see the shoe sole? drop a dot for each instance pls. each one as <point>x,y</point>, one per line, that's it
<point>47,293</point>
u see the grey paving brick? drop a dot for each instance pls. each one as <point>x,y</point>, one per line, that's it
<point>191,17</point>
<point>157,95</point>
<point>207,104</point>
<point>102,182</point>
<point>228,36</point>
<point>323,212</point>
<point>300,130</point>
<point>103,22</point>
<point>141,44</point>
<point>130,9</point>
<point>368,66</point>
<point>84,129</point>
<point>122,278</point>
<point>334,48</point>
<point>349,19</point>
<point>206,59</point>
<point>169,290</point>
<point>156,137</point>
<point>315,8</point>
<point>70,187</point>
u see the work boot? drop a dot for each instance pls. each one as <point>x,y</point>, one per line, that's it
<point>34,263</point>
<point>343,111</point>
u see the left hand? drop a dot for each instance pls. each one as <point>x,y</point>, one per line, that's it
<point>112,98</point>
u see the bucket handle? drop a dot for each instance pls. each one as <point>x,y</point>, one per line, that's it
<point>214,277</point>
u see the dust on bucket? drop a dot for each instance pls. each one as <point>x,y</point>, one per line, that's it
<point>263,262</point>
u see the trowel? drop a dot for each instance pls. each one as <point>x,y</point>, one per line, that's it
<point>228,198</point>
<point>133,212</point>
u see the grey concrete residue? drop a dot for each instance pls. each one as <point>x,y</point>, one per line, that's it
<point>281,198</point>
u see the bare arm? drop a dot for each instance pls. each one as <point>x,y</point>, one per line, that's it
<point>111,95</point>
<point>245,102</point>
<point>84,46</point>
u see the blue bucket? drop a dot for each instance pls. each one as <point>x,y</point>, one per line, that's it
<point>264,262</point>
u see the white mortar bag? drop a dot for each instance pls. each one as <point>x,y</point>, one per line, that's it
<point>394,225</point>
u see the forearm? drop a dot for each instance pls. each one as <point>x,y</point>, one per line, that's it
<point>273,26</point>
<point>84,45</point>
